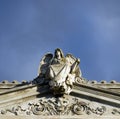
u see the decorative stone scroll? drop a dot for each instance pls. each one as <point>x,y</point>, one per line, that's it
<point>59,71</point>
<point>56,106</point>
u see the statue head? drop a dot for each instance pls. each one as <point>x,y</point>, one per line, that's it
<point>58,53</point>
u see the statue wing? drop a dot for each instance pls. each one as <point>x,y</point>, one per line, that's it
<point>44,63</point>
<point>71,59</point>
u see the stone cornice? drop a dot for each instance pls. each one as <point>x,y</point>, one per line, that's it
<point>97,94</point>
<point>21,93</point>
<point>84,91</point>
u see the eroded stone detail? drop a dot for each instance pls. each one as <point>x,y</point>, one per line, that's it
<point>56,106</point>
<point>116,112</point>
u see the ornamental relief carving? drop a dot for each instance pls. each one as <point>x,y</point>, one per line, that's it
<point>58,106</point>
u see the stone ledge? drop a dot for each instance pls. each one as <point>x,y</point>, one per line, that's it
<point>60,117</point>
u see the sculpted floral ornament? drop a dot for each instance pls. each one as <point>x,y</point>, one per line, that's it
<point>56,106</point>
<point>59,71</point>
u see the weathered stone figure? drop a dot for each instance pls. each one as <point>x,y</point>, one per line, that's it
<point>59,71</point>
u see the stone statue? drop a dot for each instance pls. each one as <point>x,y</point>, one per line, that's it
<point>59,71</point>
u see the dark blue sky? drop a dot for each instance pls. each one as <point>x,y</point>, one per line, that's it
<point>89,29</point>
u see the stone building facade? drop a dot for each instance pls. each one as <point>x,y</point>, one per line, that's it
<point>59,92</point>
<point>94,100</point>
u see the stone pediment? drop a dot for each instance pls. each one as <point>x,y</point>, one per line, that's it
<point>65,94</point>
<point>84,100</point>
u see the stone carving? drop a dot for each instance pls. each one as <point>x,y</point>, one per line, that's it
<point>59,71</point>
<point>116,112</point>
<point>56,106</point>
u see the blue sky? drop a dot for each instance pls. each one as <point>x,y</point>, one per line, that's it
<point>88,29</point>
